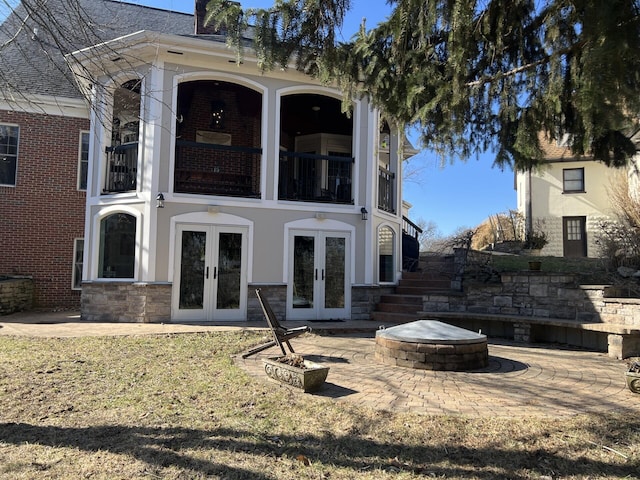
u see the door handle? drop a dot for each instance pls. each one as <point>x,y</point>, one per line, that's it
<point>206,273</point>
<point>323,274</point>
<point>215,272</point>
<point>316,274</point>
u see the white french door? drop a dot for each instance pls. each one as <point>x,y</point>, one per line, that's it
<point>210,273</point>
<point>319,276</point>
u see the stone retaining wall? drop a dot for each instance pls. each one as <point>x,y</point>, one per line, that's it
<point>539,294</point>
<point>16,295</point>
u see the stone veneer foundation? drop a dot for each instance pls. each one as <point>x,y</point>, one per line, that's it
<point>431,345</point>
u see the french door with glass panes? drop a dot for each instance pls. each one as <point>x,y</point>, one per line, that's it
<point>319,275</point>
<point>210,273</point>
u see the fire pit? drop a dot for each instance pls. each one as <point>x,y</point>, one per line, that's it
<point>432,345</point>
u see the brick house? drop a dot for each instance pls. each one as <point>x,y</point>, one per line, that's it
<point>206,179</point>
<point>44,142</point>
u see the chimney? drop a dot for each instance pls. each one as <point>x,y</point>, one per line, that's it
<point>201,29</point>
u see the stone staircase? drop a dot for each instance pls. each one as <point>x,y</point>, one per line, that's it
<point>433,275</point>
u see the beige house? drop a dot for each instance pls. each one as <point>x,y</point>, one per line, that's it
<point>566,198</point>
<point>208,179</point>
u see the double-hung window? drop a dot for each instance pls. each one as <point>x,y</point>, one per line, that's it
<point>573,180</point>
<point>83,160</point>
<point>8,154</point>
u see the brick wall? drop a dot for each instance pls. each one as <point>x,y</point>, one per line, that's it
<point>43,214</point>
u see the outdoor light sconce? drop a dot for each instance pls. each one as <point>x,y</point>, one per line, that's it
<point>217,114</point>
<point>364,213</point>
<point>160,200</point>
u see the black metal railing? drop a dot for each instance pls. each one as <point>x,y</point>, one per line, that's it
<point>211,169</point>
<point>122,168</point>
<point>410,228</point>
<point>386,184</point>
<point>308,177</point>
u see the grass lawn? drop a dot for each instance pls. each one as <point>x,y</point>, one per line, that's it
<point>176,407</point>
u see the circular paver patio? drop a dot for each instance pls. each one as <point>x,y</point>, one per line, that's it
<point>520,380</point>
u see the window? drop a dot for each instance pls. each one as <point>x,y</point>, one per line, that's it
<point>83,160</point>
<point>78,252</point>
<point>385,254</point>
<point>117,246</point>
<point>573,180</point>
<point>8,154</point>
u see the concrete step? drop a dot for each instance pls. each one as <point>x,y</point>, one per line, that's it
<point>394,318</point>
<point>400,290</point>
<point>398,308</point>
<point>426,284</point>
<point>402,299</point>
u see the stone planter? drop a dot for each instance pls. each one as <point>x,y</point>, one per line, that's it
<point>309,379</point>
<point>633,378</point>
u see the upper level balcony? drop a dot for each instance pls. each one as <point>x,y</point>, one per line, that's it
<point>218,144</point>
<point>386,194</point>
<point>310,177</point>
<point>212,169</point>
<point>122,168</point>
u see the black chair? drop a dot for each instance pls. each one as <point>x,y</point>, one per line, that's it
<point>281,335</point>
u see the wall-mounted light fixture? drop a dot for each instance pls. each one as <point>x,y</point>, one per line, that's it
<point>160,200</point>
<point>364,213</point>
<point>217,114</point>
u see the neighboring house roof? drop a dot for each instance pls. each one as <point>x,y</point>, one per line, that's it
<point>560,150</point>
<point>32,49</point>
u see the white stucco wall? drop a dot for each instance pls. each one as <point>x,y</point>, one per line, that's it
<point>549,204</point>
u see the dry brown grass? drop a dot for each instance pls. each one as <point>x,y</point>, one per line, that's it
<point>177,407</point>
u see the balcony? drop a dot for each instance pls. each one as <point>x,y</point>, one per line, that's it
<point>308,177</point>
<point>212,169</point>
<point>386,195</point>
<point>122,161</point>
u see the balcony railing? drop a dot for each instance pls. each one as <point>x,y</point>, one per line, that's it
<point>308,177</point>
<point>386,196</point>
<point>211,169</point>
<point>122,162</point>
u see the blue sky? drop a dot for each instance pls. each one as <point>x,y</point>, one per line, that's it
<point>460,194</point>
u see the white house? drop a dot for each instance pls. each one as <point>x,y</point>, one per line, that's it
<point>567,198</point>
<point>208,179</point>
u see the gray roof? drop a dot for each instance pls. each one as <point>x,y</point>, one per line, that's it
<point>33,41</point>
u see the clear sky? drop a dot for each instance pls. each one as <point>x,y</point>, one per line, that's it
<point>460,194</point>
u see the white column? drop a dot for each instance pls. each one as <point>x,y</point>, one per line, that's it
<point>150,143</point>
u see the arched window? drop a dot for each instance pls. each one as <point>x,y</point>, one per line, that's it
<point>386,241</point>
<point>117,246</point>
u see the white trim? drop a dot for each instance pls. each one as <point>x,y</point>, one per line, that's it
<point>47,105</point>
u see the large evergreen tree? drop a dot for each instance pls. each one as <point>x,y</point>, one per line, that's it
<point>471,75</point>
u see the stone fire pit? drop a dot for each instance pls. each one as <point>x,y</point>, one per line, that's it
<point>432,345</point>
